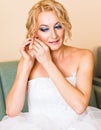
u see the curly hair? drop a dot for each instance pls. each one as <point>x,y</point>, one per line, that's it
<point>47,5</point>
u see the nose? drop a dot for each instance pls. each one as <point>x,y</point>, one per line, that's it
<point>53,33</point>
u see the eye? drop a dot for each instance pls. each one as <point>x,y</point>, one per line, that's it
<point>58,26</point>
<point>44,29</point>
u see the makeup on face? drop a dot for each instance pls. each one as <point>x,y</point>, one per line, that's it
<point>45,28</point>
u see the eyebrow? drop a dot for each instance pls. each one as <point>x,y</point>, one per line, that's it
<point>47,25</point>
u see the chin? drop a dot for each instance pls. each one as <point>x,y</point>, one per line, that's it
<point>55,48</point>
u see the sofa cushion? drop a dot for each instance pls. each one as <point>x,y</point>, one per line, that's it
<point>98,62</point>
<point>97,81</point>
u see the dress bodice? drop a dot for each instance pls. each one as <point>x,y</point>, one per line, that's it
<point>43,97</point>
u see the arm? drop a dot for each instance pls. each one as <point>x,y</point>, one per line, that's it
<point>16,96</point>
<point>77,97</point>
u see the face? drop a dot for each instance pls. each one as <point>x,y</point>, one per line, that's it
<point>50,30</point>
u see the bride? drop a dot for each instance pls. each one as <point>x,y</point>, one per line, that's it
<point>57,77</point>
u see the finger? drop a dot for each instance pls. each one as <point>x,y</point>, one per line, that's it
<point>36,48</point>
<point>40,42</point>
<point>28,43</point>
<point>37,44</point>
<point>23,50</point>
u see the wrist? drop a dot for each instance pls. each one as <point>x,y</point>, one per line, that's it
<point>26,67</point>
<point>48,64</point>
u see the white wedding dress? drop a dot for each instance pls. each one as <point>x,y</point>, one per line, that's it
<point>49,111</point>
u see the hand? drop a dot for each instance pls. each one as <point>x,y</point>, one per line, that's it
<point>27,50</point>
<point>41,51</point>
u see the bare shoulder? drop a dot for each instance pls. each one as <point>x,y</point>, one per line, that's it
<point>86,55</point>
<point>81,57</point>
<point>85,58</point>
<point>81,53</point>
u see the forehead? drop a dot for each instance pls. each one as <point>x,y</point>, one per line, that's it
<point>47,18</point>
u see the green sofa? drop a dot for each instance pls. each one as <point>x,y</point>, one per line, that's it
<point>7,76</point>
<point>97,77</point>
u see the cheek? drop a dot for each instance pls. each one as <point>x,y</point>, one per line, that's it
<point>43,37</point>
<point>62,34</point>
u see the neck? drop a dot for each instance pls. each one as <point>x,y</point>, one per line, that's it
<point>58,54</point>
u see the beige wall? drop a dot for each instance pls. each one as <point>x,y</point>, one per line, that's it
<point>85,16</point>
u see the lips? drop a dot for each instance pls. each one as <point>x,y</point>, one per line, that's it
<point>54,42</point>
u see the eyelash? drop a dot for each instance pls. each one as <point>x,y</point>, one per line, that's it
<point>46,29</point>
<point>58,26</point>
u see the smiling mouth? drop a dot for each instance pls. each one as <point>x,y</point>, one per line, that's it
<point>54,42</point>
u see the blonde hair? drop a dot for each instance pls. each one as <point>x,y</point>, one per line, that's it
<point>47,5</point>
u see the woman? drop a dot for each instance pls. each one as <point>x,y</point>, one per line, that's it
<point>58,77</point>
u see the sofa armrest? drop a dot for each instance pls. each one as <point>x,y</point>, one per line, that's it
<point>98,95</point>
<point>7,77</point>
<point>2,105</point>
<point>93,101</point>
<point>97,81</point>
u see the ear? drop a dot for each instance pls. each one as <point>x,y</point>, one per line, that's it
<point>35,35</point>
